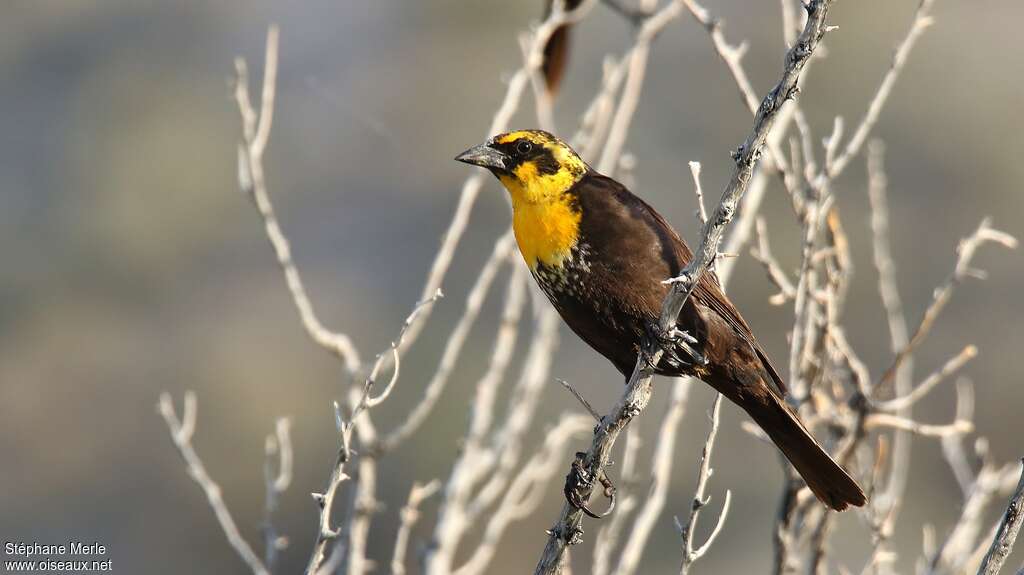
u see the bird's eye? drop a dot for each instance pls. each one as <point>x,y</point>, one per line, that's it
<point>524,147</point>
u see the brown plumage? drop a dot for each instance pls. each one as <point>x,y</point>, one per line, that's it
<point>606,284</point>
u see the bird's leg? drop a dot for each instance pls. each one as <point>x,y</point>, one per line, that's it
<point>579,484</point>
<point>677,339</point>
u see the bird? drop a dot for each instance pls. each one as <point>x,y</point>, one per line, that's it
<point>601,254</point>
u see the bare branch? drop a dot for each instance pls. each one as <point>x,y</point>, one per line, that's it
<point>497,462</point>
<point>1002,545</point>
<point>690,555</point>
<point>475,460</point>
<point>181,434</point>
<point>366,401</point>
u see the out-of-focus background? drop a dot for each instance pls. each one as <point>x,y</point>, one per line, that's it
<point>132,264</point>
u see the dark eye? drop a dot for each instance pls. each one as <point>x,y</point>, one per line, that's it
<point>524,147</point>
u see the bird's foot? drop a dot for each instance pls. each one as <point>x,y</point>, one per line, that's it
<point>681,339</point>
<point>579,484</point>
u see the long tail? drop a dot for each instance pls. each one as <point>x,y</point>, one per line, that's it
<point>827,480</point>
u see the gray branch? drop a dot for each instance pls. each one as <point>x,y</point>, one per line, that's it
<point>1002,545</point>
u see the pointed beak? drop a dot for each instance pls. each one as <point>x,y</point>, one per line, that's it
<point>483,156</point>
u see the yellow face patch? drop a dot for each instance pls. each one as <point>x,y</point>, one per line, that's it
<point>545,219</point>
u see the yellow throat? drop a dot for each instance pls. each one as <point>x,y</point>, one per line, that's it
<point>545,216</point>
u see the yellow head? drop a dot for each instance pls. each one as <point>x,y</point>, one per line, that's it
<point>539,172</point>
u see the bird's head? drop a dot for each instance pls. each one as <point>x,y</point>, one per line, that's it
<point>539,172</point>
<point>534,166</point>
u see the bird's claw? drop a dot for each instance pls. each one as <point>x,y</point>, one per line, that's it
<point>579,484</point>
<point>681,339</point>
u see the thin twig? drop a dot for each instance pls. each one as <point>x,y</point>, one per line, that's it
<point>475,459</point>
<point>579,397</point>
<point>690,555</point>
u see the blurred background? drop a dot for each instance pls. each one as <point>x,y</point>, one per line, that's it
<point>132,264</point>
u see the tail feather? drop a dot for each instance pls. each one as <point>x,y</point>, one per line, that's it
<point>827,480</point>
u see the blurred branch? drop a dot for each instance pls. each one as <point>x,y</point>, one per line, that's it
<point>606,542</point>
<point>922,20</point>
<point>278,444</point>
<point>954,552</point>
<point>1002,545</point>
<point>661,475</point>
<point>360,403</point>
<point>637,393</point>
<point>181,431</point>
<point>638,55</point>
<point>763,254</point>
<point>525,491</point>
<point>453,347</point>
<point>732,57</point>
<point>409,516</point>
<point>474,461</point>
<point>965,252</point>
<point>891,498</point>
<point>898,404</point>
<point>255,134</point>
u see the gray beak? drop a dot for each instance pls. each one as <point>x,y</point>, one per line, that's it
<point>483,156</point>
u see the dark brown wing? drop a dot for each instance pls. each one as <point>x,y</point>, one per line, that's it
<point>708,291</point>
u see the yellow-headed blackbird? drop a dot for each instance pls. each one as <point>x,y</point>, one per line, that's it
<point>600,254</point>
